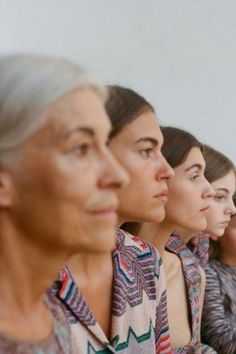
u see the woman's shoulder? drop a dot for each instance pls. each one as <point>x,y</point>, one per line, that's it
<point>142,247</point>
<point>141,254</point>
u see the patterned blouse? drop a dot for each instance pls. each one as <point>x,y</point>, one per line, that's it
<point>199,246</point>
<point>219,310</point>
<point>139,312</point>
<point>59,342</point>
<point>193,284</point>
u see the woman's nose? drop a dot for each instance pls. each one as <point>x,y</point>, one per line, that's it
<point>209,191</point>
<point>113,174</point>
<point>164,170</point>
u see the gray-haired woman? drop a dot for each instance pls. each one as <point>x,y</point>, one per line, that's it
<point>56,178</point>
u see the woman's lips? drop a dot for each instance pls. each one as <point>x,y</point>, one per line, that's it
<point>224,223</point>
<point>162,195</point>
<point>205,210</point>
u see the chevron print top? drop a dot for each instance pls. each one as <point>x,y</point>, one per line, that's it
<point>192,279</point>
<point>139,313</point>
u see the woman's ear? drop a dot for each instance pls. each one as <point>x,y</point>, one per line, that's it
<point>5,188</point>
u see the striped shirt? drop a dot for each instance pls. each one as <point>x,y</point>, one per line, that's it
<point>139,310</point>
<point>192,279</point>
<point>219,310</point>
<point>199,246</point>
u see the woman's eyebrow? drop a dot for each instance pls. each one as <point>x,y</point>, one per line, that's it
<point>148,139</point>
<point>222,189</point>
<point>195,165</point>
<point>88,131</point>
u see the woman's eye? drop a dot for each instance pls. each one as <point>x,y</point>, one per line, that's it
<point>219,197</point>
<point>81,150</point>
<point>147,152</point>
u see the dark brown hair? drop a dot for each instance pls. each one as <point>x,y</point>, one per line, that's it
<point>177,145</point>
<point>217,164</point>
<point>123,106</point>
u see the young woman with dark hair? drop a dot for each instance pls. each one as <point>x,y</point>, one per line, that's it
<point>219,311</point>
<point>186,210</point>
<point>136,142</point>
<point>220,172</point>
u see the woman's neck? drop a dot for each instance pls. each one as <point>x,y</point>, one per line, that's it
<point>26,273</point>
<point>185,235</point>
<point>91,268</point>
<point>157,234</point>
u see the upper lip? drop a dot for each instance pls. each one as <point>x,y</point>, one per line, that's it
<point>205,208</point>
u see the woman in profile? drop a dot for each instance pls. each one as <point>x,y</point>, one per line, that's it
<point>220,173</point>
<point>55,170</point>
<point>188,203</point>
<point>219,310</point>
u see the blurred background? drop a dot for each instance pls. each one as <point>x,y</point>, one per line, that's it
<point>181,55</point>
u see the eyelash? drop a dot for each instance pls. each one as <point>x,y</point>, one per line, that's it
<point>219,197</point>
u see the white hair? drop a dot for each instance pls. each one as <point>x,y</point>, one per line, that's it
<point>28,84</point>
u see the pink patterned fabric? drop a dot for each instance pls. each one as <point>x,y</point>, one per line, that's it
<point>199,246</point>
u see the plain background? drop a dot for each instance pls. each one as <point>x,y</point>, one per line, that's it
<point>180,54</point>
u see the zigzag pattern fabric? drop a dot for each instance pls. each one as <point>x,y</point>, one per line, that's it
<point>133,274</point>
<point>139,310</point>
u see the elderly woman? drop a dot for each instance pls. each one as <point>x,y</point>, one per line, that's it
<point>58,186</point>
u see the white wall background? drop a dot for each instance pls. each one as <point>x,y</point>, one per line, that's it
<point>180,54</point>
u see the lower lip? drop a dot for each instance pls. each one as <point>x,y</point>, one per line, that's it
<point>224,224</point>
<point>163,197</point>
<point>106,214</point>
